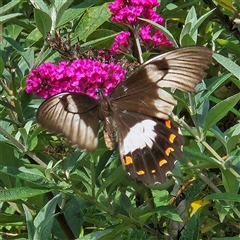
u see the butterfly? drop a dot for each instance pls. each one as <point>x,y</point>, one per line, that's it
<point>136,113</point>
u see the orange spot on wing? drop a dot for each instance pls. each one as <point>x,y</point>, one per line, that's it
<point>127,160</point>
<point>162,162</point>
<point>153,171</point>
<point>169,150</point>
<point>168,123</point>
<point>141,172</point>
<point>172,137</point>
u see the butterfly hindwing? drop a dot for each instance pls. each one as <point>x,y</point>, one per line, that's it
<point>143,91</point>
<point>147,146</point>
<point>74,116</point>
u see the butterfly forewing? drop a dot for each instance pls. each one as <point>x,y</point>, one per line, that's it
<point>73,115</point>
<point>143,91</point>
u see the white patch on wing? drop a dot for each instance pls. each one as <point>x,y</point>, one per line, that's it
<point>164,104</point>
<point>140,135</point>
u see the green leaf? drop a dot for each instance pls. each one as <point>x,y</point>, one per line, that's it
<point>28,55</point>
<point>196,154</point>
<point>187,40</point>
<point>98,42</point>
<point>125,202</point>
<point>197,23</point>
<point>96,235</point>
<point>61,7</point>
<point>43,22</point>
<point>224,196</point>
<point>215,83</point>
<point>234,48</point>
<point>227,238</point>
<point>8,6</point>
<point>230,182</point>
<point>167,211</point>
<point>187,36</point>
<point>32,140</point>
<point>44,220</point>
<point>40,4</point>
<point>2,64</point>
<point>191,230</point>
<point>30,175</point>
<point>116,176</point>
<point>228,64</point>
<point>11,220</point>
<point>21,193</point>
<point>29,220</point>
<point>33,37</point>
<point>220,110</point>
<point>91,20</point>
<point>8,17</point>
<point>75,12</point>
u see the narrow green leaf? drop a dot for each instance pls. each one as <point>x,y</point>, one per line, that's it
<point>98,42</point>
<point>197,24</point>
<point>75,12</point>
<point>96,235</point>
<point>31,175</point>
<point>40,4</point>
<point>44,220</point>
<point>224,196</point>
<point>2,64</point>
<point>8,6</point>
<point>228,64</point>
<point>167,211</point>
<point>21,193</point>
<point>116,176</point>
<point>187,40</point>
<point>196,154</point>
<point>8,17</point>
<point>27,55</point>
<point>33,139</point>
<point>7,105</point>
<point>191,230</point>
<point>29,220</point>
<point>220,110</point>
<point>61,7</point>
<point>43,22</point>
<point>216,82</point>
<point>11,220</point>
<point>234,48</point>
<point>125,202</point>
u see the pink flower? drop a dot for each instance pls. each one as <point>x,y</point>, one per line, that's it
<point>127,12</point>
<point>121,43</point>
<point>86,76</point>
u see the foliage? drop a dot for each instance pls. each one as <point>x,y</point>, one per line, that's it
<point>51,190</point>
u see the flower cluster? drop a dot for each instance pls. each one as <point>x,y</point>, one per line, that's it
<point>127,12</point>
<point>86,76</point>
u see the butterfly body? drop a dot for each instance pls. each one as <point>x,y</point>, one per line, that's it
<point>138,110</point>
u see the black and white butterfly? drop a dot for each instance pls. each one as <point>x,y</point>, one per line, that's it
<point>138,110</point>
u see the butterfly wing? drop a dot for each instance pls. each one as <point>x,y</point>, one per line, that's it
<point>147,146</point>
<point>148,142</point>
<point>143,91</point>
<point>74,116</point>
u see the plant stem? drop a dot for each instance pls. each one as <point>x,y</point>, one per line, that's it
<point>15,97</point>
